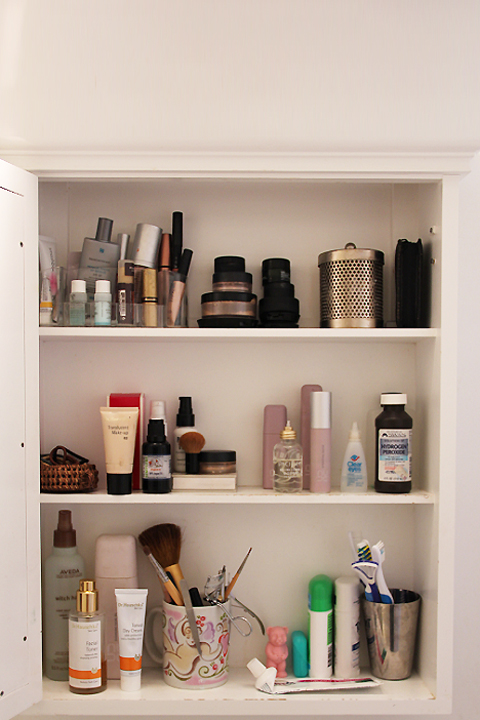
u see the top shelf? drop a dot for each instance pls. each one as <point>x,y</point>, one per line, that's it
<point>244,334</point>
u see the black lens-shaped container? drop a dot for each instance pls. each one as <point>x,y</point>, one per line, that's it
<point>279,307</point>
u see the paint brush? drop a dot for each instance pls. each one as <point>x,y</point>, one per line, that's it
<point>165,543</point>
<point>168,584</point>
<point>235,577</point>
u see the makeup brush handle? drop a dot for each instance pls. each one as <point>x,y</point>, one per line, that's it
<point>231,585</point>
<point>176,572</point>
<point>173,592</point>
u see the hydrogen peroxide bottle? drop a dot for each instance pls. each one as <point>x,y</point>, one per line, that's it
<point>393,457</point>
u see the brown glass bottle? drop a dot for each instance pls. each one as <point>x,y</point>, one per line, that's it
<point>393,453</point>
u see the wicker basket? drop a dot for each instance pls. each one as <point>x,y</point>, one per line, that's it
<point>69,473</point>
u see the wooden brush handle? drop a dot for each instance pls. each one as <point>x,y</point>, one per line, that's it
<point>176,572</point>
<point>173,592</point>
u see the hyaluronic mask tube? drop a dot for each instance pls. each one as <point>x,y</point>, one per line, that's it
<point>131,606</point>
<point>119,432</point>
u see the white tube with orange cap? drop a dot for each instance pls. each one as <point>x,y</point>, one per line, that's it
<point>131,606</point>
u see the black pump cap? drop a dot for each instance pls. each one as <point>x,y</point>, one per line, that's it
<point>185,416</point>
<point>229,263</point>
<point>156,431</point>
<point>275,270</point>
<point>104,230</point>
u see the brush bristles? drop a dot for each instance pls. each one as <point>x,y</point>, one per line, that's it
<point>192,442</point>
<point>164,541</point>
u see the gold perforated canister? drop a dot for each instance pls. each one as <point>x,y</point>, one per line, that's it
<point>351,288</point>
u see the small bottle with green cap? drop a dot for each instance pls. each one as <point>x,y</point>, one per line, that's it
<point>320,607</point>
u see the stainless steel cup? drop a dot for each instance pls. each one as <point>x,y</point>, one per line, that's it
<point>391,631</point>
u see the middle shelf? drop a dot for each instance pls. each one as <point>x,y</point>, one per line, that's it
<point>246,495</point>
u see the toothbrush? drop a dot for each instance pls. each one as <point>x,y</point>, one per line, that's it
<point>378,556</point>
<point>364,552</point>
<point>366,571</point>
<point>354,537</point>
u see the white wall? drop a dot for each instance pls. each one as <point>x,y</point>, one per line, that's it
<point>313,75</point>
<point>323,75</point>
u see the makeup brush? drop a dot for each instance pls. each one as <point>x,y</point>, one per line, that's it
<point>192,442</point>
<point>165,543</point>
<point>162,575</point>
<point>235,577</point>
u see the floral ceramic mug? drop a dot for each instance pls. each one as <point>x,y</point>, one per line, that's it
<point>182,665</point>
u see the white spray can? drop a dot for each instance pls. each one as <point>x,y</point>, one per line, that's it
<point>347,625</point>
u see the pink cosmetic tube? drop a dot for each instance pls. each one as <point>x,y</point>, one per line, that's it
<point>320,441</point>
<point>274,421</point>
<point>305,430</point>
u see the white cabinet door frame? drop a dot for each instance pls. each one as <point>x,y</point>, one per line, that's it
<point>20,606</point>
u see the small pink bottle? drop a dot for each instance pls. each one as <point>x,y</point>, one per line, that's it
<point>320,441</point>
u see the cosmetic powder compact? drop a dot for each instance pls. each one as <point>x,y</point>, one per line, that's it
<point>229,275</point>
<point>231,303</point>
<point>217,462</point>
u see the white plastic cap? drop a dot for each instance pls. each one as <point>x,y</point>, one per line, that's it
<point>79,286</point>
<point>347,591</point>
<point>263,675</point>
<point>116,557</point>
<point>102,286</point>
<point>256,667</point>
<point>354,432</point>
<point>393,399</point>
<point>321,410</point>
<point>130,682</point>
<point>157,410</point>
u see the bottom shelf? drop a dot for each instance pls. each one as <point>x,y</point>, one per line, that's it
<point>237,698</point>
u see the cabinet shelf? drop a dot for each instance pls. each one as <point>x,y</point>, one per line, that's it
<point>238,697</point>
<point>240,335</point>
<point>247,495</point>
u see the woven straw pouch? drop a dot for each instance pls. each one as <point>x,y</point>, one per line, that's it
<point>65,471</point>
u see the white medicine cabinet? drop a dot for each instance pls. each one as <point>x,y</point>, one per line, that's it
<point>257,207</point>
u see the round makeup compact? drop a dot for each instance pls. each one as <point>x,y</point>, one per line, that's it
<point>218,462</point>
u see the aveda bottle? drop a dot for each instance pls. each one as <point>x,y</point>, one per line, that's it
<point>86,643</point>
<point>61,573</point>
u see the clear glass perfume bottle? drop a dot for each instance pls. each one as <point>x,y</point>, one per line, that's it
<point>288,462</point>
<point>86,643</point>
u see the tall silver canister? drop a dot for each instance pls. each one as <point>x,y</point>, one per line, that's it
<point>351,288</point>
